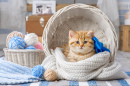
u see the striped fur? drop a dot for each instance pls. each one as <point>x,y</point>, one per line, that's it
<point>79,51</point>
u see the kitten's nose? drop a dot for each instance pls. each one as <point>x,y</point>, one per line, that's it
<point>81,46</point>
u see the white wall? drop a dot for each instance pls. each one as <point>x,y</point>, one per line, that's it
<point>123,8</point>
<point>4,30</point>
<point>12,18</point>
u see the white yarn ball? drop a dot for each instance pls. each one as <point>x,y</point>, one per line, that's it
<point>31,39</point>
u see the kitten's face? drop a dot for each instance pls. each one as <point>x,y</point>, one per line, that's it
<point>81,42</point>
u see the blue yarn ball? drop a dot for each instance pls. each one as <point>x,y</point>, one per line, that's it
<point>31,47</point>
<point>38,71</point>
<point>16,43</point>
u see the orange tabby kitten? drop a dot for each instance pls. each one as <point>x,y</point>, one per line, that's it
<point>80,47</point>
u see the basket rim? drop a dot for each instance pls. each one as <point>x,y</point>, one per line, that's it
<point>22,50</point>
<point>75,6</point>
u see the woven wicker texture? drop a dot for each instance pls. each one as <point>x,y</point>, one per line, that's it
<point>79,17</point>
<point>26,57</point>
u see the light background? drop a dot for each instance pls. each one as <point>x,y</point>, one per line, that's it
<point>5,30</point>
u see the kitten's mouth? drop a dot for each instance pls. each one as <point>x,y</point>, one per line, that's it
<point>81,47</point>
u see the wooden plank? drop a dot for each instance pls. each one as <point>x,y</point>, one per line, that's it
<point>128,29</point>
<point>58,6</point>
<point>34,27</point>
<point>128,48</point>
<point>38,17</point>
<point>33,24</point>
<point>121,27</point>
<point>129,43</point>
<point>124,38</point>
<point>29,7</point>
<point>40,39</point>
<point>120,38</point>
<point>125,29</point>
<point>121,33</point>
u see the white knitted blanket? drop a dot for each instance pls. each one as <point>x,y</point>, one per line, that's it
<point>95,67</point>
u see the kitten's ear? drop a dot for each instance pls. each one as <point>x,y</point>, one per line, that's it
<point>71,33</point>
<point>91,33</point>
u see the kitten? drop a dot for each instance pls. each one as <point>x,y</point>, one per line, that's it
<point>80,46</point>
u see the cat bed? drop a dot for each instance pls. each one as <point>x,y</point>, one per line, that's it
<point>95,67</point>
<point>81,17</point>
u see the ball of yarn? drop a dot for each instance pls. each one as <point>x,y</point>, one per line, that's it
<point>12,34</point>
<point>31,47</point>
<point>38,46</point>
<point>16,43</point>
<point>31,39</point>
<point>50,75</point>
<point>38,71</point>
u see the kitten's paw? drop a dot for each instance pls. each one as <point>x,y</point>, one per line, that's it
<point>50,75</point>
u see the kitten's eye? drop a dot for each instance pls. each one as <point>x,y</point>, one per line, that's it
<point>77,42</point>
<point>85,42</point>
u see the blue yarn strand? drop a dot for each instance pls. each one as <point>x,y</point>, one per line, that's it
<point>16,43</point>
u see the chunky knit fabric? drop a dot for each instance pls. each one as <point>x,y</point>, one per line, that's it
<point>95,67</point>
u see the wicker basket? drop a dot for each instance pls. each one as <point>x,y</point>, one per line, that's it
<point>79,17</point>
<point>28,58</point>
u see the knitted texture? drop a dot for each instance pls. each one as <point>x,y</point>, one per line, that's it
<point>12,34</point>
<point>16,43</point>
<point>38,71</point>
<point>50,75</point>
<point>11,73</point>
<point>31,39</point>
<point>79,17</point>
<point>98,46</point>
<point>38,46</point>
<point>95,67</point>
<point>31,47</point>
